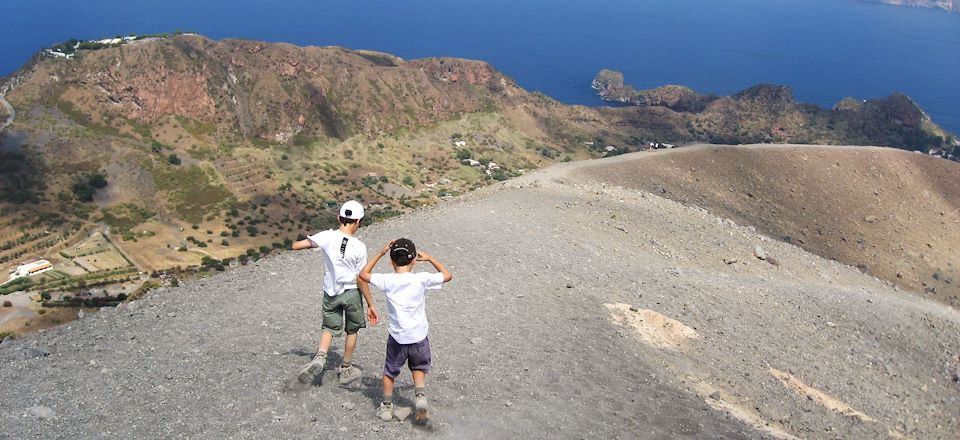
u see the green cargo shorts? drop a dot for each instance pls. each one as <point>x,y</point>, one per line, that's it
<point>345,306</point>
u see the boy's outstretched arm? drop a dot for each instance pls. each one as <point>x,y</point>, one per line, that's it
<point>367,270</point>
<point>423,256</point>
<point>302,244</point>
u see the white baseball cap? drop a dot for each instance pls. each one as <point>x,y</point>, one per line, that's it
<point>352,210</point>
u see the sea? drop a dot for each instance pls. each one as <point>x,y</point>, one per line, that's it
<point>824,49</point>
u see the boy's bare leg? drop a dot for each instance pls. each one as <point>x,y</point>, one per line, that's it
<point>387,388</point>
<point>421,407</point>
<point>419,378</point>
<point>386,406</point>
<point>325,339</point>
<point>349,345</point>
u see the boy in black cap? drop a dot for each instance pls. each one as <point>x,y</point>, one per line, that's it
<point>408,342</point>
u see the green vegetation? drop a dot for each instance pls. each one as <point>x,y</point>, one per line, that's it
<point>21,177</point>
<point>190,190</point>
<point>125,216</point>
<point>208,263</point>
<point>196,128</point>
<point>84,187</point>
<point>97,181</point>
<point>82,191</point>
<point>464,154</point>
<point>16,286</point>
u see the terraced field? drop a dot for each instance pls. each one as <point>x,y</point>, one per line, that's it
<point>246,176</point>
<point>23,238</point>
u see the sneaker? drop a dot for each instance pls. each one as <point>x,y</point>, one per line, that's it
<point>385,412</point>
<point>422,415</point>
<point>311,370</point>
<point>348,374</point>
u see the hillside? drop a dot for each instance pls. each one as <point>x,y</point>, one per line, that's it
<point>578,309</point>
<point>180,153</point>
<point>893,214</point>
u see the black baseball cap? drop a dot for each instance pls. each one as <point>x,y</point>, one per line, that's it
<point>403,251</point>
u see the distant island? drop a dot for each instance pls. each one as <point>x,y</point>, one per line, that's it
<point>947,5</point>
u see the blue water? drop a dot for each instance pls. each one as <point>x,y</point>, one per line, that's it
<point>824,49</point>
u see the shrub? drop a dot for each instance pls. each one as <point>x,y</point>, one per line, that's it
<point>83,191</point>
<point>98,181</point>
<point>7,304</point>
<point>464,154</point>
<point>174,160</point>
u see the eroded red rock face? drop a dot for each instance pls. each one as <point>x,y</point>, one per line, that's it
<point>177,93</point>
<point>470,72</point>
<point>152,94</point>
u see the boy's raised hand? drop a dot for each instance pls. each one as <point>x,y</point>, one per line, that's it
<point>386,249</point>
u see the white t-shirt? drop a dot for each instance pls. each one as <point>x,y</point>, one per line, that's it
<point>345,257</point>
<point>406,294</point>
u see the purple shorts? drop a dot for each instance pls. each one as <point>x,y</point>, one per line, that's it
<point>416,356</point>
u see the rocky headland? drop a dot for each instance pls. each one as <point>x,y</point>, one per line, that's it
<point>769,113</point>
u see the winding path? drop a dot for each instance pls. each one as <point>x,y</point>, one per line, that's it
<point>10,110</point>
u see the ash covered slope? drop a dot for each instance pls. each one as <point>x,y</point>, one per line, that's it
<point>533,339</point>
<point>892,213</point>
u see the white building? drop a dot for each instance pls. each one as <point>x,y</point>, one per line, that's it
<point>30,269</point>
<point>57,54</point>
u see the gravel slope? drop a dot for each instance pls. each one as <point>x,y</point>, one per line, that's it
<point>893,213</point>
<point>534,338</point>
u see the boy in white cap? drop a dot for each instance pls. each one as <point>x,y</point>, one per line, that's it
<point>344,257</point>
<point>408,343</point>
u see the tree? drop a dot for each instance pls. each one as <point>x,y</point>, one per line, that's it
<point>97,181</point>
<point>83,192</point>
